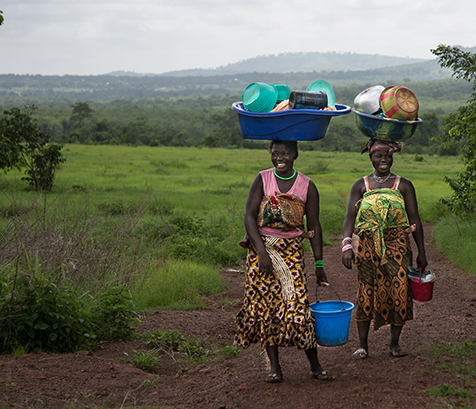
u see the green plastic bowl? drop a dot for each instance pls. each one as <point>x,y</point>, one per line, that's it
<point>323,86</point>
<point>284,90</point>
<point>259,97</point>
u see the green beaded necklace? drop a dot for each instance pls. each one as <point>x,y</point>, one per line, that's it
<point>280,177</point>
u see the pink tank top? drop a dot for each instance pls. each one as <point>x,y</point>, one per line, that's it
<point>270,188</point>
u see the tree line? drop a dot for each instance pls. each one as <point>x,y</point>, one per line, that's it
<point>209,121</point>
<point>195,123</point>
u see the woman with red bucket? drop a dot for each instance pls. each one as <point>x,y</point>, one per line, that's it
<point>383,210</point>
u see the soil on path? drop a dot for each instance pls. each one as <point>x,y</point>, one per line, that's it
<point>102,379</point>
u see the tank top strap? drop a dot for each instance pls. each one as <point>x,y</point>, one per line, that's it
<point>270,186</point>
<point>397,183</point>
<point>300,187</point>
<point>366,182</point>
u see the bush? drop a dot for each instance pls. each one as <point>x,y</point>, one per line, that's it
<point>211,242</point>
<point>42,313</point>
<point>113,315</point>
<point>460,128</point>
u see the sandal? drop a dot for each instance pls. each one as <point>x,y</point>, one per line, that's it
<point>361,353</point>
<point>323,376</point>
<point>398,352</point>
<point>274,378</point>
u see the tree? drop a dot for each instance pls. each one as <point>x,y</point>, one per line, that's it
<point>461,127</point>
<point>81,111</point>
<point>226,128</point>
<point>429,130</point>
<point>24,145</point>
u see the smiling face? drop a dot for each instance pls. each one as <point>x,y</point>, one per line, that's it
<point>382,161</point>
<point>283,157</point>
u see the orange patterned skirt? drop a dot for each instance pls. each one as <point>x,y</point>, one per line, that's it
<point>276,308</point>
<point>384,290</point>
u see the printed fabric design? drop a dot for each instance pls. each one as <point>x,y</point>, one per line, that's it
<point>378,210</point>
<point>385,293</point>
<point>282,211</point>
<point>276,308</point>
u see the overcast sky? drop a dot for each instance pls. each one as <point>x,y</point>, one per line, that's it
<point>92,37</point>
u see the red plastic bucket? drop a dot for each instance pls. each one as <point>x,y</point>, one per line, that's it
<point>422,291</point>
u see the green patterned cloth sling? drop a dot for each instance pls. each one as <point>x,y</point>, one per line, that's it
<point>381,209</point>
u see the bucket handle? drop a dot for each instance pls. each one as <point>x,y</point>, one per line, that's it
<point>332,288</point>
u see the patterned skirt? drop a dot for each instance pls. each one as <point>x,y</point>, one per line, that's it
<point>276,308</point>
<point>385,293</point>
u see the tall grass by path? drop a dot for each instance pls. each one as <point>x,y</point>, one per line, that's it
<point>202,181</point>
<point>177,285</point>
<point>457,239</point>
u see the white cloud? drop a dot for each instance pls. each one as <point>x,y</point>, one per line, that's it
<point>95,37</point>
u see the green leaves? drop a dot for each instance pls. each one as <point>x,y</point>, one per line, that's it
<point>463,63</point>
<point>146,361</point>
<point>461,126</point>
<point>24,145</point>
<point>113,315</point>
<point>42,313</point>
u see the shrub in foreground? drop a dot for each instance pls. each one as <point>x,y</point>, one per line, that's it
<point>40,313</point>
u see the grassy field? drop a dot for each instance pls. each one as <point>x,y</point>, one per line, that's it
<point>124,211</point>
<point>210,182</point>
<point>204,181</point>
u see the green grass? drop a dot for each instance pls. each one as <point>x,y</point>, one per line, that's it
<point>186,206</point>
<point>457,238</point>
<point>185,349</point>
<point>202,180</point>
<point>454,363</point>
<point>450,391</point>
<point>177,285</point>
<point>147,361</point>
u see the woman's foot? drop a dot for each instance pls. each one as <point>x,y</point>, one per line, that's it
<point>398,352</point>
<point>275,374</point>
<point>274,377</point>
<point>360,353</point>
<point>323,375</point>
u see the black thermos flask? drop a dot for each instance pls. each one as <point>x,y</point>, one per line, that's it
<point>307,100</point>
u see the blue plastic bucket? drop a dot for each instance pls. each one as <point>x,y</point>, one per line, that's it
<point>332,321</point>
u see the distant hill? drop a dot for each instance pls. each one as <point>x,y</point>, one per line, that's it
<point>294,62</point>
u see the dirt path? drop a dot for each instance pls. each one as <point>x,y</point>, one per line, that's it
<point>102,379</point>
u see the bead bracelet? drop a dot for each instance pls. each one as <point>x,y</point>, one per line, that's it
<point>346,239</point>
<point>319,264</point>
<point>346,247</point>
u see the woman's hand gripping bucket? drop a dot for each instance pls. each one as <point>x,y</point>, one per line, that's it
<point>332,321</point>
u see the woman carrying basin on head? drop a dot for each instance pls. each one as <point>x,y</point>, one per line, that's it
<point>276,310</point>
<point>383,210</point>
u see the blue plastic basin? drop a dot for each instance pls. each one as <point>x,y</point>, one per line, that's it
<point>292,124</point>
